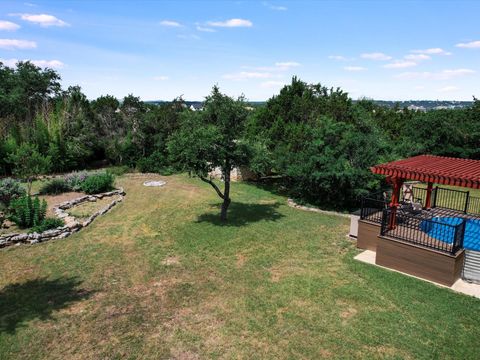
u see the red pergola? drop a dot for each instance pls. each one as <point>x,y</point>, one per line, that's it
<point>429,169</point>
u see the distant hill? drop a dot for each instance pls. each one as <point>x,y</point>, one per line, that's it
<point>425,104</point>
<point>420,105</point>
<point>199,104</point>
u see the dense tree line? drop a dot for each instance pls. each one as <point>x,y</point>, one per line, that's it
<point>316,140</point>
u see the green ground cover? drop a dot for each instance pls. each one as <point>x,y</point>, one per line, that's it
<point>161,277</point>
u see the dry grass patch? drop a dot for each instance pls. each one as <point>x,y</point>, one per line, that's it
<point>166,280</point>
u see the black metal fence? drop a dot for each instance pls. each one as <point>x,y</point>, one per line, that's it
<point>420,228</point>
<point>473,205</point>
<point>429,233</point>
<point>419,194</point>
<point>450,199</point>
<point>372,209</point>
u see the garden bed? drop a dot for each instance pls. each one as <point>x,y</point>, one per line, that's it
<point>81,214</point>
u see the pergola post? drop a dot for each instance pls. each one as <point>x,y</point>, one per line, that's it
<point>397,185</point>
<point>428,198</point>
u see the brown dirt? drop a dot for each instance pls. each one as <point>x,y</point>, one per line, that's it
<point>275,275</point>
<point>171,260</point>
<point>54,200</point>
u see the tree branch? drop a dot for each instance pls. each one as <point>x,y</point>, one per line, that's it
<point>208,181</point>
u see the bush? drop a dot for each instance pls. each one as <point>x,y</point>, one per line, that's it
<point>28,163</point>
<point>154,163</point>
<point>55,187</point>
<point>74,180</point>
<point>119,170</point>
<point>26,212</point>
<point>47,224</point>
<point>10,189</point>
<point>98,183</point>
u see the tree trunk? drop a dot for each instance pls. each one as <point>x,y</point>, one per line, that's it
<point>226,192</point>
<point>29,186</point>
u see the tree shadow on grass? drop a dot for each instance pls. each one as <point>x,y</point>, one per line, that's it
<point>36,299</point>
<point>241,214</point>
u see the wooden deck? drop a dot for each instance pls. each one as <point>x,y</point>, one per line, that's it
<point>376,216</point>
<point>414,259</point>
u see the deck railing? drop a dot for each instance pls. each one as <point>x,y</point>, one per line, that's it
<point>421,228</point>
<point>473,205</point>
<point>429,233</point>
<point>419,194</point>
<point>451,199</point>
<point>372,209</point>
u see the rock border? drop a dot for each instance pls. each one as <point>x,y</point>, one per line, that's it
<point>155,183</point>
<point>294,205</point>
<point>71,224</point>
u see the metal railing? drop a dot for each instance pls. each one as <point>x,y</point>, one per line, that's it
<point>429,233</point>
<point>473,205</point>
<point>372,209</point>
<point>419,194</point>
<point>457,200</point>
<point>450,199</point>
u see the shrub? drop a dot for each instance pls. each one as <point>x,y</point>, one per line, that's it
<point>10,189</point>
<point>98,183</point>
<point>28,163</point>
<point>154,163</point>
<point>74,180</point>
<point>119,170</point>
<point>26,212</point>
<point>47,224</point>
<point>55,187</point>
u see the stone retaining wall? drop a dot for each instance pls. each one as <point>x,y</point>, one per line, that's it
<point>71,224</point>
<point>294,205</point>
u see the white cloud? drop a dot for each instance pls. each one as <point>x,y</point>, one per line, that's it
<point>417,57</point>
<point>354,68</point>
<point>170,23</point>
<point>271,84</point>
<point>441,75</point>
<point>231,23</point>
<point>376,56</point>
<point>469,45</point>
<point>44,20</point>
<point>205,29</point>
<point>276,71</point>
<point>286,65</point>
<point>400,64</point>
<point>8,25</point>
<point>432,51</point>
<point>246,75</point>
<point>54,64</point>
<point>275,7</point>
<point>17,44</point>
<point>160,78</point>
<point>338,57</point>
<point>419,87</point>
<point>277,67</point>
<point>9,62</point>
<point>448,89</point>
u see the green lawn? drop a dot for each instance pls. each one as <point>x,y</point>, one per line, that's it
<point>160,277</point>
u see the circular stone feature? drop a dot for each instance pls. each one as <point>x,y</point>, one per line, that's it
<point>154,183</point>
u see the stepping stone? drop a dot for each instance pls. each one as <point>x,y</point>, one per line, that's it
<point>154,183</point>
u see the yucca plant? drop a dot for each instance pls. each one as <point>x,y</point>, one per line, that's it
<point>26,212</point>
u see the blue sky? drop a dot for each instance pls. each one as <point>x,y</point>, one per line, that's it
<point>392,50</point>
